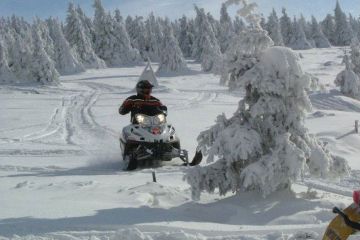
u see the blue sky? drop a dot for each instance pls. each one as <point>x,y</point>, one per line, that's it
<point>171,8</point>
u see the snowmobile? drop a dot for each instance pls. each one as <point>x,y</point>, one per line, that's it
<point>150,138</point>
<point>346,223</point>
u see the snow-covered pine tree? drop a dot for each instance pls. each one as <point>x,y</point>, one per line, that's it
<point>355,26</point>
<point>298,39</point>
<point>348,80</point>
<point>215,25</point>
<point>239,25</point>
<point>171,58</point>
<point>355,55</point>
<point>318,37</point>
<point>306,27</point>
<point>343,31</point>
<point>42,67</point>
<point>273,28</point>
<point>154,37</point>
<point>286,27</point>
<point>87,23</point>
<point>226,31</point>
<point>124,53</point>
<point>64,56</point>
<point>137,32</point>
<point>206,48</point>
<point>45,36</point>
<point>185,39</point>
<point>328,28</point>
<point>20,57</point>
<point>265,145</point>
<point>243,53</point>
<point>6,76</point>
<point>79,40</point>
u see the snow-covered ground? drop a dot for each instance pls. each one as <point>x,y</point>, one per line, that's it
<point>60,163</point>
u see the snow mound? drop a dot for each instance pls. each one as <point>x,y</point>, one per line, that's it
<point>156,195</point>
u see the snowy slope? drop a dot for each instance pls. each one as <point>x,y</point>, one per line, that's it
<point>60,163</point>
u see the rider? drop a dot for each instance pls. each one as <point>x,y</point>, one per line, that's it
<point>141,101</point>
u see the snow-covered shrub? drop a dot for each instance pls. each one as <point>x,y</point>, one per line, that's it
<point>348,80</point>
<point>171,57</point>
<point>264,146</point>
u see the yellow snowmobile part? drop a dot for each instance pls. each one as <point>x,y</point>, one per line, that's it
<point>337,229</point>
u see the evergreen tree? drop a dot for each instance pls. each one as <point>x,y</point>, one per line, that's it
<point>185,38</point>
<point>154,37</point>
<point>273,28</point>
<point>79,40</point>
<point>343,32</point>
<point>123,53</point>
<point>227,31</point>
<point>20,57</point>
<point>239,25</point>
<point>64,56</point>
<point>348,80</point>
<point>42,67</point>
<point>137,32</point>
<point>328,28</point>
<point>171,58</point>
<point>286,28</point>
<point>264,146</point>
<point>6,75</point>
<point>206,48</point>
<point>354,56</point>
<point>298,39</point>
<point>318,37</point>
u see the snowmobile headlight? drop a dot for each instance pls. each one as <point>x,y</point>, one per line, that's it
<point>142,119</point>
<point>159,119</point>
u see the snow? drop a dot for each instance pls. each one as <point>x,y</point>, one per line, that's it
<point>60,164</point>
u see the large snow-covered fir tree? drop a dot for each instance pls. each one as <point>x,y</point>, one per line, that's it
<point>355,55</point>
<point>42,67</point>
<point>274,30</point>
<point>64,56</point>
<point>348,80</point>
<point>264,146</point>
<point>79,40</point>
<point>171,57</point>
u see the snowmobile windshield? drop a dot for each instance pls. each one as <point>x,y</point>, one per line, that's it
<point>151,110</point>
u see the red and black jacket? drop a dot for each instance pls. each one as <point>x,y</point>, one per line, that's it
<point>140,104</point>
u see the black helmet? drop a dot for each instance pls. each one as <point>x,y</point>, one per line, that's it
<point>144,87</point>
